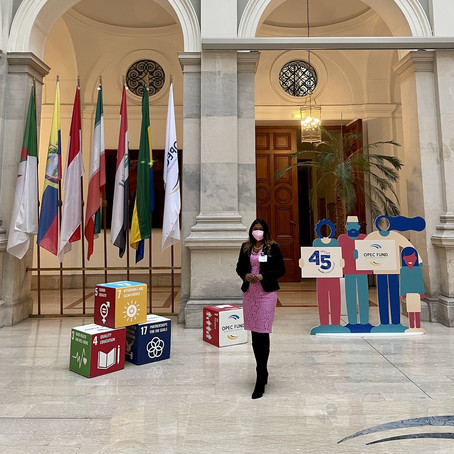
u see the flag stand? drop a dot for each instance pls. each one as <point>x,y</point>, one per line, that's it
<point>60,203</point>
<point>104,216</point>
<point>82,227</point>
<point>150,274</point>
<point>173,278</point>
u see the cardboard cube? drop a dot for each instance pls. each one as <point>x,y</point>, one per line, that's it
<point>148,342</point>
<point>224,325</point>
<point>96,350</point>
<point>122,303</point>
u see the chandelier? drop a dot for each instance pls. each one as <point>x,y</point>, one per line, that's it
<point>311,121</point>
<point>310,111</point>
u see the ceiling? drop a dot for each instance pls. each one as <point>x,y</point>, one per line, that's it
<point>127,13</point>
<point>293,13</point>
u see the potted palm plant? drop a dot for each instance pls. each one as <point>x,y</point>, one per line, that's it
<point>362,171</point>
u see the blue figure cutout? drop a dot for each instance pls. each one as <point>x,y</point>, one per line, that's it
<point>356,285</point>
<point>328,288</point>
<point>388,280</point>
<point>412,287</point>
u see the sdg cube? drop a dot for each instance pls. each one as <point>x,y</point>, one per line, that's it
<point>122,303</point>
<point>148,342</point>
<point>224,325</point>
<point>97,350</point>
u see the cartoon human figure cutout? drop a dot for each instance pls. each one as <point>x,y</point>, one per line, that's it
<point>412,287</point>
<point>328,288</point>
<point>356,283</point>
<point>388,280</point>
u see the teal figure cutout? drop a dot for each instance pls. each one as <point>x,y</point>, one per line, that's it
<point>356,285</point>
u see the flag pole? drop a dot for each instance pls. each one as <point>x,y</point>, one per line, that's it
<point>104,216</point>
<point>150,247</point>
<point>38,249</point>
<point>82,224</point>
<point>60,203</point>
<point>127,225</point>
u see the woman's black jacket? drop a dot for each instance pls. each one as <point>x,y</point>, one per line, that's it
<point>271,270</point>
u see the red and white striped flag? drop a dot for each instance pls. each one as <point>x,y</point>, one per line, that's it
<point>97,178</point>
<point>71,218</point>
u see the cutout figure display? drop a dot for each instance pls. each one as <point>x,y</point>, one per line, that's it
<point>356,284</point>
<point>328,288</point>
<point>412,287</point>
<point>388,280</point>
<point>385,252</point>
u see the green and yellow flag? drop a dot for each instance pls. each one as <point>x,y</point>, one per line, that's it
<point>144,203</point>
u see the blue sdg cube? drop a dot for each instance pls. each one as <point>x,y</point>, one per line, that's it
<point>149,341</point>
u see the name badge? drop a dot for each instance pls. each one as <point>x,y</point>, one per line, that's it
<point>263,257</point>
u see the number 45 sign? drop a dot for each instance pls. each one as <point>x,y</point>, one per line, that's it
<point>321,262</point>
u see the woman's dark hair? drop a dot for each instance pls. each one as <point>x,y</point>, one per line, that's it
<point>408,251</point>
<point>267,240</point>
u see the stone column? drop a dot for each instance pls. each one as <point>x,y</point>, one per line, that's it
<point>216,237</point>
<point>443,238</point>
<point>247,66</point>
<point>422,164</point>
<point>22,69</point>
<point>190,207</point>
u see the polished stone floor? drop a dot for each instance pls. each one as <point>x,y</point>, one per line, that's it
<point>321,390</point>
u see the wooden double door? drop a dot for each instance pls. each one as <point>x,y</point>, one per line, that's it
<point>277,200</point>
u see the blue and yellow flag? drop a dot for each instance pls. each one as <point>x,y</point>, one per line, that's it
<point>48,220</point>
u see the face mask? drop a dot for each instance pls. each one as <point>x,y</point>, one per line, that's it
<point>258,234</point>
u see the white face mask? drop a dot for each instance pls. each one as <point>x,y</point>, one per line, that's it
<point>258,234</point>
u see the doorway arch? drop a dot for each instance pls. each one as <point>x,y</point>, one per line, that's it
<point>403,17</point>
<point>35,18</point>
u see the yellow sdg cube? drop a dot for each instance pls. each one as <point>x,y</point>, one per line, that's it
<point>119,304</point>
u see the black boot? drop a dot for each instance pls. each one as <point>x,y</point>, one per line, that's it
<point>261,347</point>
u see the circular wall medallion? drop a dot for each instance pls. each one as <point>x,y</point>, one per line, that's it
<point>143,73</point>
<point>298,78</point>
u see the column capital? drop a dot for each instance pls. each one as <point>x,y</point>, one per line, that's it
<point>248,61</point>
<point>415,61</point>
<point>190,61</point>
<point>29,63</point>
<point>444,237</point>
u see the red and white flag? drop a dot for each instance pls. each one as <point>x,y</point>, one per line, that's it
<point>71,218</point>
<point>97,178</point>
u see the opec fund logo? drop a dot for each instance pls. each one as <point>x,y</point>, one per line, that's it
<point>233,326</point>
<point>377,254</point>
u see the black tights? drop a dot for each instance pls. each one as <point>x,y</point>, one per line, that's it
<point>261,340</point>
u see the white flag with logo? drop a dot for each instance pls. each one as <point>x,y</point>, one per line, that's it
<point>171,176</point>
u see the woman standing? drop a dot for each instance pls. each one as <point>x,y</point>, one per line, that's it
<point>260,263</point>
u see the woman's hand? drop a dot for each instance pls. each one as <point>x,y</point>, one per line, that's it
<point>249,277</point>
<point>257,278</point>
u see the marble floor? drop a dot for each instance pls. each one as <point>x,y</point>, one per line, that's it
<point>397,392</point>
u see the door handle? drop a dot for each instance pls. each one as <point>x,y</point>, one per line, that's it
<point>292,222</point>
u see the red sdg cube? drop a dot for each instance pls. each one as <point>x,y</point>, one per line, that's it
<point>223,325</point>
<point>96,350</point>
